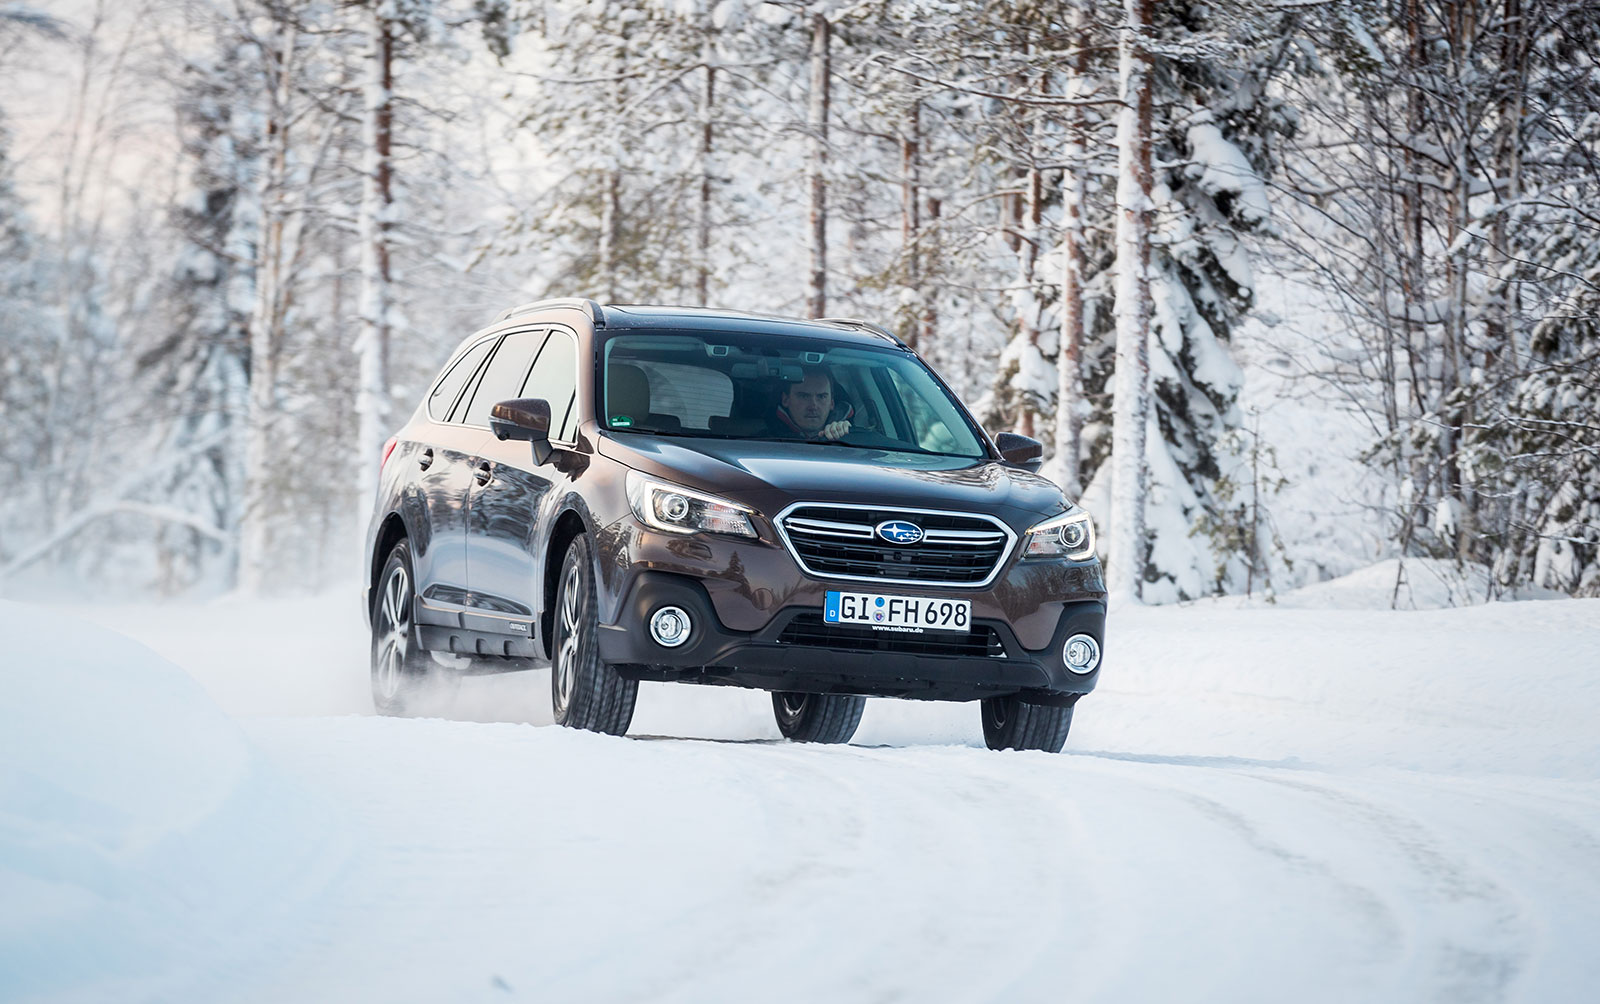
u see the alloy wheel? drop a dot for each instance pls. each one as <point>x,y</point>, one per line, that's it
<point>394,634</point>
<point>566,668</point>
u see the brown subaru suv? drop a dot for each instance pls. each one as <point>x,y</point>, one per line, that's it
<point>662,493</point>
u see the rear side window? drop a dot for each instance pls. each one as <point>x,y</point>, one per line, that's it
<point>555,378</point>
<point>503,380</point>
<point>449,386</point>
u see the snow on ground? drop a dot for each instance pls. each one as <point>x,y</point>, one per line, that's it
<point>142,837</point>
<point>1259,803</point>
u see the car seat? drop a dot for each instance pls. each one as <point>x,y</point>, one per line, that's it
<point>628,398</point>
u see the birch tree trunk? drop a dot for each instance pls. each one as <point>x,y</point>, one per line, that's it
<point>817,285</point>
<point>1131,405</point>
<point>1028,237</point>
<point>611,191</point>
<point>377,198</point>
<point>928,330</point>
<point>1069,369</point>
<point>910,222</point>
<point>268,313</point>
<point>703,209</point>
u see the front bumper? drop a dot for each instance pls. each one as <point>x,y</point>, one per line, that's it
<point>784,656</point>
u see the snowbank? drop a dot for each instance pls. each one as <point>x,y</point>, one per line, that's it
<point>1420,584</point>
<point>141,836</point>
<point>1501,688</point>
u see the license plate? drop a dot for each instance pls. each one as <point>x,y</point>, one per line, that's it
<point>897,613</point>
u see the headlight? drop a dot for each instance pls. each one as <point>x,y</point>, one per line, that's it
<point>662,505</point>
<point>1069,535</point>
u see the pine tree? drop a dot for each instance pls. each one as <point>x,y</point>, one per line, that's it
<point>1214,131</point>
<point>1549,443</point>
<point>26,335</point>
<point>197,358</point>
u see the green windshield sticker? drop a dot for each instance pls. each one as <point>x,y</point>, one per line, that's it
<point>621,420</point>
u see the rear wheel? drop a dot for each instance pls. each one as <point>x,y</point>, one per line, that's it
<point>585,693</point>
<point>403,675</point>
<point>817,718</point>
<point>1010,724</point>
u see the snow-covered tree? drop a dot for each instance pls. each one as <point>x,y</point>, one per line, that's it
<point>27,333</point>
<point>649,153</point>
<point>1214,128</point>
<point>196,355</point>
<point>1548,446</point>
<point>1445,191</point>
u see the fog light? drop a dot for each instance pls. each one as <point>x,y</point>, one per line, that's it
<point>1082,653</point>
<point>670,626</point>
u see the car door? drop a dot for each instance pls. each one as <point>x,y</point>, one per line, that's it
<point>442,455</point>
<point>504,495</point>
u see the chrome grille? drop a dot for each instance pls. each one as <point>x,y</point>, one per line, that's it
<point>838,541</point>
<point>810,630</point>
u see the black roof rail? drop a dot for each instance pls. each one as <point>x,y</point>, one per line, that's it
<point>596,315</point>
<point>856,322</point>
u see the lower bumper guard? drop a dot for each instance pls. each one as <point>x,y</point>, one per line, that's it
<point>797,652</point>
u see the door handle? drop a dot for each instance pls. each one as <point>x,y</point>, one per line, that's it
<point>426,460</point>
<point>483,473</point>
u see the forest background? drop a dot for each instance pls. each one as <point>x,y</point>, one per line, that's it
<point>1287,289</point>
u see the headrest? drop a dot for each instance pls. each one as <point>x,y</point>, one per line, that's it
<point>627,392</point>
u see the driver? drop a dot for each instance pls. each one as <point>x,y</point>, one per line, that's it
<point>805,406</point>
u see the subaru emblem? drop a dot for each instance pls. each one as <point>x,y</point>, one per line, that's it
<point>898,531</point>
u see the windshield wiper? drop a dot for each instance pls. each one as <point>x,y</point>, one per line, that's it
<point>658,432</point>
<point>861,446</point>
<point>720,437</point>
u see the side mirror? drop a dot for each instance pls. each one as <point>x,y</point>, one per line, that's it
<point>1020,450</point>
<point>524,418</point>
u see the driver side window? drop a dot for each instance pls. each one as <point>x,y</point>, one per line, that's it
<point>555,378</point>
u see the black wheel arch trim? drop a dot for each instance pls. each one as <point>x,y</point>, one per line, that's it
<point>396,525</point>
<point>551,536</point>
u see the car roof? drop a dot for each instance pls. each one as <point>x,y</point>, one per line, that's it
<point>667,318</point>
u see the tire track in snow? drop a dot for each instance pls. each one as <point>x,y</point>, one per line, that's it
<point>914,905</point>
<point>1215,897</point>
<point>1480,957</point>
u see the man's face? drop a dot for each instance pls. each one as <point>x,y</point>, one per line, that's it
<point>809,402</point>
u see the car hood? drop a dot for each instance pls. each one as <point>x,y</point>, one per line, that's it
<point>771,475</point>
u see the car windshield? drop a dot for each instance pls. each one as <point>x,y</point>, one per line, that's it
<point>765,387</point>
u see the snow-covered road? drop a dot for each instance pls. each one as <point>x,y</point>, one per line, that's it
<point>573,867</point>
<point>1258,804</point>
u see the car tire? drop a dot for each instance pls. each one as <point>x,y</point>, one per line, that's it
<point>585,693</point>
<point>1011,724</point>
<point>403,675</point>
<point>817,718</point>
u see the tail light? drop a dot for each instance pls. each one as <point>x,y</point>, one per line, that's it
<point>388,448</point>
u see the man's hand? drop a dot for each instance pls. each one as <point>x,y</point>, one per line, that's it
<point>834,430</point>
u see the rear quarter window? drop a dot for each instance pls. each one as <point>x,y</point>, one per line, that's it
<point>455,377</point>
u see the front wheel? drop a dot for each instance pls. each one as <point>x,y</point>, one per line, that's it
<point>817,718</point>
<point>1009,724</point>
<point>585,693</point>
